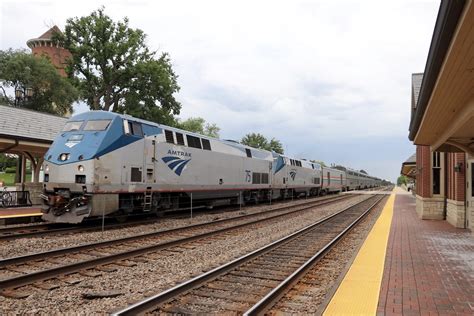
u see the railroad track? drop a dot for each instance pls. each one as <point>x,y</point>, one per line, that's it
<point>39,230</point>
<point>70,265</point>
<point>253,283</point>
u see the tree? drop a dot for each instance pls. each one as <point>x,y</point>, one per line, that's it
<point>33,82</point>
<point>199,125</point>
<point>322,163</point>
<point>115,70</point>
<point>257,140</point>
<point>401,180</point>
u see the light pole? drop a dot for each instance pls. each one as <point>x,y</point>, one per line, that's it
<point>22,94</point>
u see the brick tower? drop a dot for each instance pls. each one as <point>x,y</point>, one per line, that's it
<point>44,45</point>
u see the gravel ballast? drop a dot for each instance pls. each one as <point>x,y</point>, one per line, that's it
<point>166,269</point>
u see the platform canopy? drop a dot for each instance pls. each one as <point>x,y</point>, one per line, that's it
<point>443,114</point>
<point>25,131</point>
<point>409,167</point>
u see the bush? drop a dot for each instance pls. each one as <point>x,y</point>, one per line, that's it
<point>10,170</point>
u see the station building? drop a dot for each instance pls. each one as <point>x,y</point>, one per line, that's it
<point>442,120</point>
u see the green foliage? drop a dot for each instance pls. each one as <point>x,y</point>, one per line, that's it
<point>10,170</point>
<point>199,125</point>
<point>322,163</point>
<point>257,140</point>
<point>20,70</point>
<point>115,70</point>
<point>402,180</point>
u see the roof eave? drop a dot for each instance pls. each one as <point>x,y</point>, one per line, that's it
<point>449,14</point>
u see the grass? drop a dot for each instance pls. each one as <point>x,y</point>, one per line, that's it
<point>8,179</point>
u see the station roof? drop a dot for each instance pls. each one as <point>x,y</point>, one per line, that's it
<point>27,130</point>
<point>443,113</point>
<point>409,167</point>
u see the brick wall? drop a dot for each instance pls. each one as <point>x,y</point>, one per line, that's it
<point>57,55</point>
<point>423,166</point>
<point>456,180</point>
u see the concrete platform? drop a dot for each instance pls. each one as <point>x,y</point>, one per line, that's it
<point>409,266</point>
<point>19,215</point>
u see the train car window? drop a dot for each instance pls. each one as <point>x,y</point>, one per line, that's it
<point>169,137</point>
<point>180,139</point>
<point>194,142</point>
<point>97,125</point>
<point>135,129</point>
<point>248,152</point>
<point>264,178</point>
<point>206,145</point>
<point>256,179</point>
<point>72,126</point>
<point>135,175</point>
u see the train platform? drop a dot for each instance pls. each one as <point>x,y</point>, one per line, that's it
<point>19,215</point>
<point>409,266</point>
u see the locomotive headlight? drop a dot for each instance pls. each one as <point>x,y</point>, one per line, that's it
<point>63,157</point>
<point>80,168</point>
<point>46,168</point>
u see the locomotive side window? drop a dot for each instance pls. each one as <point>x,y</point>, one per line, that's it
<point>72,126</point>
<point>179,139</point>
<point>194,142</point>
<point>206,145</point>
<point>97,125</point>
<point>134,128</point>
<point>264,178</point>
<point>136,175</point>
<point>316,180</point>
<point>249,153</point>
<point>256,179</point>
<point>169,137</point>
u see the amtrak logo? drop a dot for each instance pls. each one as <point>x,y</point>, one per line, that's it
<point>175,163</point>
<point>293,174</point>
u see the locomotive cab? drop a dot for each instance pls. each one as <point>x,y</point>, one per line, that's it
<point>71,164</point>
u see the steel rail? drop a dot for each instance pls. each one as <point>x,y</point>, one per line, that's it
<point>12,233</point>
<point>280,290</point>
<point>150,303</point>
<point>22,280</point>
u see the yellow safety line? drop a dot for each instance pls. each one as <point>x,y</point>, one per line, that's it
<point>20,215</point>
<point>358,293</point>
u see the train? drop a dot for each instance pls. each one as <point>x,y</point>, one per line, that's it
<point>110,164</point>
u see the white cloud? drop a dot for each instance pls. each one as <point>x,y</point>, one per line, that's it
<point>301,71</point>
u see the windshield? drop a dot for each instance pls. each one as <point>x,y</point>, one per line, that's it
<point>72,126</point>
<point>97,125</point>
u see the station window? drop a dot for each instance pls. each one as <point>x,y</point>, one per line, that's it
<point>206,145</point>
<point>248,152</point>
<point>179,139</point>
<point>169,137</point>
<point>194,142</point>
<point>436,173</point>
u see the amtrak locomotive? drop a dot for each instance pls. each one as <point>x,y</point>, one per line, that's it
<point>105,163</point>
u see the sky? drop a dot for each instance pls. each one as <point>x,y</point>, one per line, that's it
<point>330,79</point>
